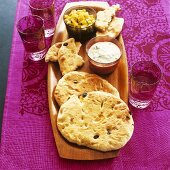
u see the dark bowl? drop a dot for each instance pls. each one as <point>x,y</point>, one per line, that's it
<point>81,34</point>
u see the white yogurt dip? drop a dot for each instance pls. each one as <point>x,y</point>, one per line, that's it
<point>104,52</point>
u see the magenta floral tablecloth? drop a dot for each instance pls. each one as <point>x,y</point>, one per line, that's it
<point>27,140</point>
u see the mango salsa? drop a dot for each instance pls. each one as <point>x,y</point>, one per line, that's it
<point>79,18</point>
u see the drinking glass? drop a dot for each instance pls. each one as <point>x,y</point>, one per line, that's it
<point>44,9</point>
<point>145,76</point>
<point>31,31</point>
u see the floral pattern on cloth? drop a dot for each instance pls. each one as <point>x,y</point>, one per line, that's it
<point>27,140</point>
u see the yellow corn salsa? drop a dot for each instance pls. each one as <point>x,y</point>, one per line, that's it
<point>79,18</point>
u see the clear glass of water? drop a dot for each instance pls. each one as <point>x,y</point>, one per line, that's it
<point>44,9</point>
<point>144,79</point>
<point>31,31</point>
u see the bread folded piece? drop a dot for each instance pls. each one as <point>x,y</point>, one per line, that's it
<point>105,17</point>
<point>114,28</point>
<point>97,120</point>
<point>52,54</point>
<point>66,53</point>
<point>68,57</point>
<point>107,23</point>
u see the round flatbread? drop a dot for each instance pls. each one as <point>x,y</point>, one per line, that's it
<point>97,120</point>
<point>79,82</point>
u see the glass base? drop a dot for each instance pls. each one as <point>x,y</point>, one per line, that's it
<point>37,55</point>
<point>140,104</point>
<point>49,32</point>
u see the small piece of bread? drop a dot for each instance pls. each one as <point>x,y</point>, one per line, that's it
<point>79,82</point>
<point>69,46</point>
<point>70,62</point>
<point>68,57</point>
<point>66,53</point>
<point>105,17</point>
<point>114,28</point>
<point>97,120</point>
<point>52,53</point>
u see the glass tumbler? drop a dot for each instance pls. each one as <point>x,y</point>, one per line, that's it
<point>31,31</point>
<point>44,9</point>
<point>144,79</point>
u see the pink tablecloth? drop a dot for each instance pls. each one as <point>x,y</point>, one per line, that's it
<point>27,139</point>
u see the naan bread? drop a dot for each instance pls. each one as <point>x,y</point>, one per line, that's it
<point>52,53</point>
<point>105,17</point>
<point>97,120</point>
<point>66,53</point>
<point>114,28</point>
<point>69,46</point>
<point>79,82</point>
<point>68,57</point>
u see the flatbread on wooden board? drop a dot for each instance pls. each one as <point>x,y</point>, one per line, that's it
<point>52,53</point>
<point>66,53</point>
<point>79,82</point>
<point>105,17</point>
<point>113,29</point>
<point>97,120</point>
<point>107,23</point>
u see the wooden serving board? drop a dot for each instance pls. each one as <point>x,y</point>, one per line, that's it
<point>119,79</point>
